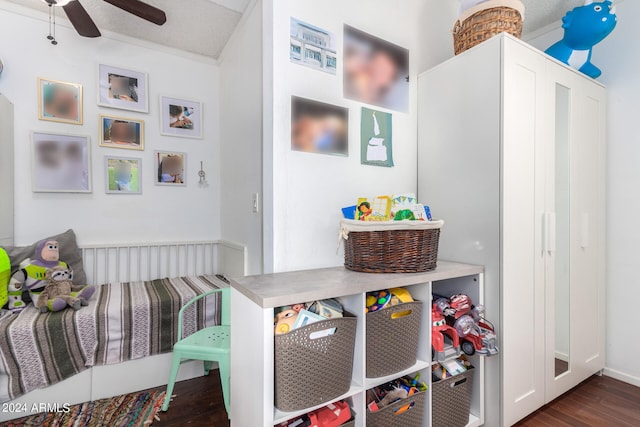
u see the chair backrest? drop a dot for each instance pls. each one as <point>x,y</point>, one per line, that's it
<point>225,293</point>
<point>225,304</point>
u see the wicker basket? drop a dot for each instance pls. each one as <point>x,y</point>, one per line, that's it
<point>485,20</point>
<point>310,370</point>
<point>452,400</point>
<point>387,416</point>
<point>386,335</point>
<point>391,247</point>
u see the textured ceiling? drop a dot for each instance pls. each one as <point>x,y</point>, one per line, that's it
<point>540,13</point>
<point>204,26</point>
<point>198,26</point>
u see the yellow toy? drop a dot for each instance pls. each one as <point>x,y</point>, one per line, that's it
<point>400,296</point>
<point>283,322</point>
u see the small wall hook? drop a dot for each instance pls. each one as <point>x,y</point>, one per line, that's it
<point>203,176</point>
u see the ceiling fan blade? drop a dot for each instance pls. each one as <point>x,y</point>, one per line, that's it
<point>141,10</point>
<point>81,20</point>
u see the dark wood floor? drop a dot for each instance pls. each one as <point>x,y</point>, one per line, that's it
<point>597,402</point>
<point>198,402</point>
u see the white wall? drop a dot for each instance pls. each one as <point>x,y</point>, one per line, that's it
<point>160,213</point>
<point>241,136</point>
<point>310,189</point>
<point>435,21</point>
<point>619,58</point>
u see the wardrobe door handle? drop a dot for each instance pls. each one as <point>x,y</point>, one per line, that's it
<point>550,232</point>
<point>545,233</point>
<point>584,231</point>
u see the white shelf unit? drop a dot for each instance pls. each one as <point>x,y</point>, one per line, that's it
<point>252,345</point>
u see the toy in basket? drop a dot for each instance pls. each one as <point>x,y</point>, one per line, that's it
<point>390,234</point>
<point>315,340</point>
<point>391,246</point>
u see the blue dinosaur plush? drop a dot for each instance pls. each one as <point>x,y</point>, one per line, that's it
<point>584,27</point>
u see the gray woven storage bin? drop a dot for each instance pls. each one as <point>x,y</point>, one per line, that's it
<point>387,416</point>
<point>351,423</point>
<point>309,371</point>
<point>392,344</point>
<point>452,400</point>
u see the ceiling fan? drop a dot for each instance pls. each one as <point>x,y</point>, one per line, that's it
<point>85,26</point>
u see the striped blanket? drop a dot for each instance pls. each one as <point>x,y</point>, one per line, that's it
<point>123,321</point>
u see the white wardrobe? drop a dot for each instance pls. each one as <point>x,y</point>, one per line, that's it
<point>512,157</point>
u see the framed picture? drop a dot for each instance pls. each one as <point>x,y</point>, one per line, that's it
<point>170,168</point>
<point>319,128</point>
<point>180,117</point>
<point>375,71</point>
<point>376,138</point>
<point>123,175</point>
<point>59,101</point>
<point>123,89</point>
<point>118,132</point>
<point>312,46</point>
<point>61,163</point>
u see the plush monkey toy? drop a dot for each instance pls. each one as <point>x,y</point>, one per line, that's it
<point>58,292</point>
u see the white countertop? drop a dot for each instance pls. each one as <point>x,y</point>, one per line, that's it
<point>278,289</point>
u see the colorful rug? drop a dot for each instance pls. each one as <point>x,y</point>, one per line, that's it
<point>129,410</point>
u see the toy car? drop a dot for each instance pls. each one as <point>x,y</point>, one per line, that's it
<point>439,330</point>
<point>476,334</point>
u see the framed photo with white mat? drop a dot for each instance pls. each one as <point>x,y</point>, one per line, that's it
<point>180,117</point>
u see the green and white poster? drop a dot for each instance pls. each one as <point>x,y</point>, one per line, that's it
<point>376,146</point>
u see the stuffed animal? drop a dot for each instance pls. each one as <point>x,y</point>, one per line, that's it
<point>57,291</point>
<point>584,27</point>
<point>5,276</point>
<point>30,277</point>
<point>32,274</point>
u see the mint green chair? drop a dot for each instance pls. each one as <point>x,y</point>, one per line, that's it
<point>210,344</point>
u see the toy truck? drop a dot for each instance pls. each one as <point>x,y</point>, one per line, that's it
<point>476,334</point>
<point>440,329</point>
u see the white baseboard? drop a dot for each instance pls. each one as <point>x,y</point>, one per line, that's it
<point>630,379</point>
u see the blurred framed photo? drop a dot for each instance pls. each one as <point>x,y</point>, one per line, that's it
<point>118,132</point>
<point>61,163</point>
<point>122,88</point>
<point>59,101</point>
<point>170,168</point>
<point>376,71</point>
<point>180,117</point>
<point>123,175</point>
<point>317,127</point>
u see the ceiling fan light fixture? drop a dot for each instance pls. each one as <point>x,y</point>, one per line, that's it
<point>57,2</point>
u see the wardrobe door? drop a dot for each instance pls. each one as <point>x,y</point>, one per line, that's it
<point>560,231</point>
<point>522,272</point>
<point>588,294</point>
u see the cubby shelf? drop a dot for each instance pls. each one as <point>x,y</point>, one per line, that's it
<point>419,366</point>
<point>254,298</point>
<point>280,416</point>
